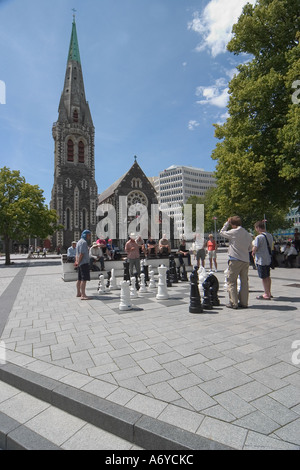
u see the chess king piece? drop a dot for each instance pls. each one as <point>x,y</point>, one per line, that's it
<point>195,299</point>
<point>133,291</point>
<point>162,291</point>
<point>125,301</point>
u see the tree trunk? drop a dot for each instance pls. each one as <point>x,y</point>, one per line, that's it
<point>7,253</point>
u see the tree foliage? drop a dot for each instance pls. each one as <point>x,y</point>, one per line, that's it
<point>258,164</point>
<point>23,212</point>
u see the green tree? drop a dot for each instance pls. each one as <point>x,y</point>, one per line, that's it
<point>22,210</point>
<point>258,164</point>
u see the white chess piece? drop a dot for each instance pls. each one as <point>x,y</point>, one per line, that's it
<point>133,291</point>
<point>143,288</point>
<point>113,281</point>
<point>125,301</point>
<point>152,284</point>
<point>238,284</point>
<point>101,287</point>
<point>162,291</point>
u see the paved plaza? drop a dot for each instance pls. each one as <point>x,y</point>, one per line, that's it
<point>156,376</point>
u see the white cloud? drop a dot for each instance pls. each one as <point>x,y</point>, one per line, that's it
<point>214,24</point>
<point>216,95</point>
<point>192,125</point>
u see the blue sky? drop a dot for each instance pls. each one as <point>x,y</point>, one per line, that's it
<point>156,74</point>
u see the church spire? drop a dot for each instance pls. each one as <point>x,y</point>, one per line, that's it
<point>73,106</point>
<point>74,48</point>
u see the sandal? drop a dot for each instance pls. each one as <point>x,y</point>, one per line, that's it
<point>262,297</point>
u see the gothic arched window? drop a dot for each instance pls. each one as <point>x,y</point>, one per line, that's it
<point>81,152</point>
<point>70,150</point>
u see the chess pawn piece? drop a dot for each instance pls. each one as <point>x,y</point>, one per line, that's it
<point>125,301</point>
<point>195,299</point>
<point>133,291</point>
<point>126,276</point>
<point>162,292</point>
<point>152,284</point>
<point>143,288</point>
<point>101,287</point>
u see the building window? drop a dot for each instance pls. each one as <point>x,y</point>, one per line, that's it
<point>81,152</point>
<point>75,115</point>
<point>70,150</point>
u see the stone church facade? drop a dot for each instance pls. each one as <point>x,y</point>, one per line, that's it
<point>74,194</point>
<point>138,190</point>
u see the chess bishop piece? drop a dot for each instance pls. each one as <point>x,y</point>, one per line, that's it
<point>143,288</point>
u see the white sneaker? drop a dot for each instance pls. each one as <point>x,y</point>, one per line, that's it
<point>216,270</point>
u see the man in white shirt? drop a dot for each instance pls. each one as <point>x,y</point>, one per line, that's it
<point>263,258</point>
<point>240,244</point>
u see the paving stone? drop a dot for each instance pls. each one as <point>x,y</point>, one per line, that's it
<point>275,410</point>
<point>290,432</point>
<point>182,418</point>
<point>289,396</point>
<point>234,404</point>
<point>256,441</point>
<point>226,433</point>
<point>197,398</point>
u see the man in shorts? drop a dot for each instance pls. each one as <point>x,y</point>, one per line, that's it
<point>263,258</point>
<point>83,263</point>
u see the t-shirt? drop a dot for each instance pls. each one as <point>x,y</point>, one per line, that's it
<point>82,248</point>
<point>211,245</point>
<point>262,256</point>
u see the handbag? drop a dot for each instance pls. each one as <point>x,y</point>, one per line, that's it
<point>273,263</point>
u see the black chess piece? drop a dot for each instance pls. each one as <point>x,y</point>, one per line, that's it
<point>172,269</point>
<point>178,273</point>
<point>195,300</point>
<point>184,277</point>
<point>207,304</point>
<point>108,278</point>
<point>145,270</point>
<point>126,276</point>
<point>213,288</point>
<point>169,283</point>
<point>137,284</point>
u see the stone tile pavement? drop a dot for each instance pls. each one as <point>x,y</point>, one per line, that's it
<point>230,376</point>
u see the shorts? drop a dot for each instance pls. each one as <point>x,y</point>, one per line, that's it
<point>212,254</point>
<point>263,271</point>
<point>201,254</point>
<point>84,272</point>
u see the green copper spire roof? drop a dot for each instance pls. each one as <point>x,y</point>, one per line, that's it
<point>74,48</point>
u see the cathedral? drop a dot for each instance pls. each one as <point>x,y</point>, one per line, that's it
<point>74,193</point>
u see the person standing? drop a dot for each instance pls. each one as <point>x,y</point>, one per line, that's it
<point>83,263</point>
<point>240,244</point>
<point>133,255</point>
<point>262,249</point>
<point>212,252</point>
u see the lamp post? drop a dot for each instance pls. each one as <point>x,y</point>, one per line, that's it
<point>215,225</point>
